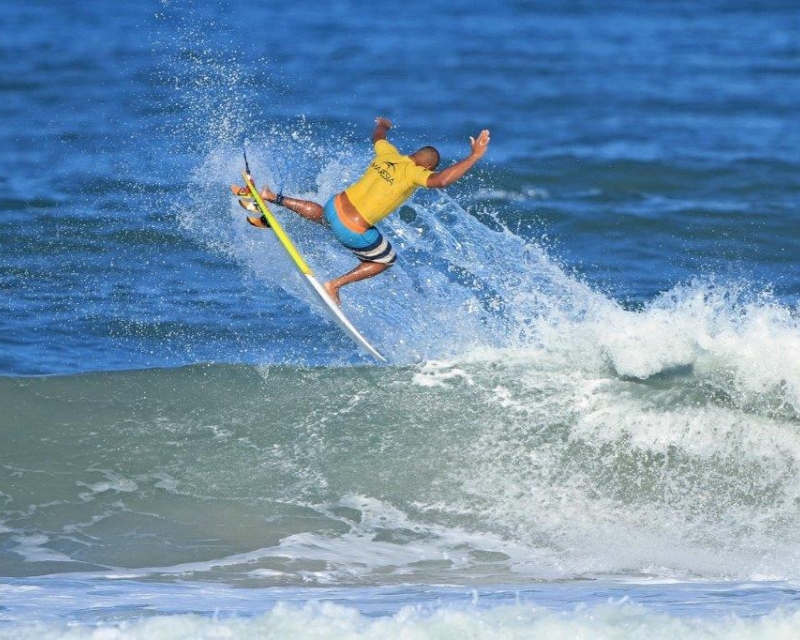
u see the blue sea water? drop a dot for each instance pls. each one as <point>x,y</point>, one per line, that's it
<point>589,424</point>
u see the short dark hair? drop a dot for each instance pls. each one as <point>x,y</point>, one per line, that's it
<point>432,153</point>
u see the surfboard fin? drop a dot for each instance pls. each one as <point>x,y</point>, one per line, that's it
<point>240,192</point>
<point>261,222</point>
<point>249,205</point>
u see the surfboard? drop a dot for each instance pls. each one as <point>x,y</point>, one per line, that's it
<point>331,308</point>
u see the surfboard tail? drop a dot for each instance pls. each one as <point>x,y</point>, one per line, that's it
<point>338,316</point>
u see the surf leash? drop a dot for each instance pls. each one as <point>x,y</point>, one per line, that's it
<point>244,153</point>
<point>279,195</point>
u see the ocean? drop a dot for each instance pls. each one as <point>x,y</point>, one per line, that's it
<point>589,422</point>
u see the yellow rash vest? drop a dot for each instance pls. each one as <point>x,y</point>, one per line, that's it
<point>387,183</point>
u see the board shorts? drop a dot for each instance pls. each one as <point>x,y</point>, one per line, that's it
<point>367,246</point>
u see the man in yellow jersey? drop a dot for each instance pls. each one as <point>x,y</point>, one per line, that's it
<point>388,182</point>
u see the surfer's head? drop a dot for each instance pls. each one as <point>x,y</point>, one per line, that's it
<point>427,157</point>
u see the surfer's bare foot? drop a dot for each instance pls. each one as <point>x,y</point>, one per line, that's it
<point>333,292</point>
<point>268,194</point>
<point>240,191</point>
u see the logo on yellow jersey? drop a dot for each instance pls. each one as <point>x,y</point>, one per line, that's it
<point>383,173</point>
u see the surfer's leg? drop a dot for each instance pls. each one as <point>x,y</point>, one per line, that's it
<point>306,208</point>
<point>373,250</point>
<point>361,272</point>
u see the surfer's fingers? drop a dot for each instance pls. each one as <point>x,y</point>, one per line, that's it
<point>482,140</point>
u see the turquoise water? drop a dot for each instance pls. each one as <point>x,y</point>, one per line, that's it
<point>589,418</point>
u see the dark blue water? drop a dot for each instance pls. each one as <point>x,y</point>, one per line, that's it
<point>643,147</point>
<point>592,339</point>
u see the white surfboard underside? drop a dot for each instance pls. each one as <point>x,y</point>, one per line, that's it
<point>336,313</point>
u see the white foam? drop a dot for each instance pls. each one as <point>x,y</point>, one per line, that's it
<point>166,482</point>
<point>113,482</point>
<point>748,348</point>
<point>32,549</point>
<point>640,479</point>
<point>440,374</point>
<point>615,620</point>
<point>357,556</point>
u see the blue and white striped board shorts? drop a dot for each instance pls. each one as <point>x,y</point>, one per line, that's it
<point>368,246</point>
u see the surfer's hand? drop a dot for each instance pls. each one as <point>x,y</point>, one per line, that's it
<point>479,145</point>
<point>383,122</point>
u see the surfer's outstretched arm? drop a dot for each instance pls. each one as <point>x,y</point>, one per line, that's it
<point>448,176</point>
<point>382,125</point>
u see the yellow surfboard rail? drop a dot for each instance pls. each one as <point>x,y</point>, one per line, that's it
<point>285,240</point>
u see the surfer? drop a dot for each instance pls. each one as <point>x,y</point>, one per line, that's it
<point>389,180</point>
